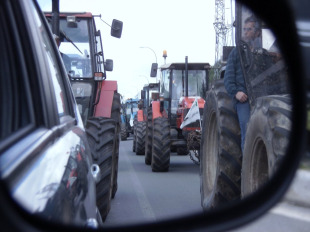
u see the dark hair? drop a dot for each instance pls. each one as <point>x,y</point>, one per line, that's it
<point>253,19</point>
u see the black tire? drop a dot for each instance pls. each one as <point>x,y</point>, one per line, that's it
<point>161,145</point>
<point>266,141</point>
<point>140,137</point>
<point>148,138</point>
<point>101,138</point>
<point>115,114</point>
<point>220,150</point>
<point>124,133</point>
<point>134,141</point>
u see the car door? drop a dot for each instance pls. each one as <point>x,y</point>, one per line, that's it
<point>44,156</point>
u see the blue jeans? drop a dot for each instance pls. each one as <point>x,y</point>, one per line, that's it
<point>243,112</point>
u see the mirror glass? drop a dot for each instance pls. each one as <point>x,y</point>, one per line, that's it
<point>224,154</point>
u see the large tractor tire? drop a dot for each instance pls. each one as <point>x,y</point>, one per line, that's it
<point>140,137</point>
<point>115,114</point>
<point>220,150</point>
<point>101,138</point>
<point>148,139</point>
<point>266,141</point>
<point>161,145</point>
<point>123,132</point>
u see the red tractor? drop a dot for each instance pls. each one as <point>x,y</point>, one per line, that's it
<point>181,85</point>
<point>80,46</point>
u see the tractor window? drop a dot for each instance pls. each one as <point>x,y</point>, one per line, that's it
<point>164,84</point>
<point>82,92</point>
<point>197,83</point>
<point>75,49</point>
<point>177,84</point>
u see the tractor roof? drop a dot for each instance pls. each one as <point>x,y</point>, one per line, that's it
<point>76,14</point>
<point>181,66</point>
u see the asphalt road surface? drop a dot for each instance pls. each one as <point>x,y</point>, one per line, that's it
<point>145,196</point>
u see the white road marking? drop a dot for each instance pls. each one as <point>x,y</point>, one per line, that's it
<point>292,211</point>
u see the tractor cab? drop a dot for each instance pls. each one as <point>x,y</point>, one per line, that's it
<point>180,85</point>
<point>80,46</point>
<point>149,93</point>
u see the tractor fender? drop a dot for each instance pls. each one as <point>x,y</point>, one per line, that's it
<point>156,110</point>
<point>104,106</point>
<point>140,117</point>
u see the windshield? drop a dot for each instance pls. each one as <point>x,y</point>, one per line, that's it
<point>196,83</point>
<point>76,55</point>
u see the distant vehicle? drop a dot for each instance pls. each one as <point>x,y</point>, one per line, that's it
<point>149,93</point>
<point>129,112</point>
<point>181,85</point>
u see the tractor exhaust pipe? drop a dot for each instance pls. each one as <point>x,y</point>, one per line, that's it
<point>55,17</point>
<point>186,76</point>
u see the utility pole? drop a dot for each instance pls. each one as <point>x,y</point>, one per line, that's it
<point>221,31</point>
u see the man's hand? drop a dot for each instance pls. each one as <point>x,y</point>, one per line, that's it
<point>241,96</point>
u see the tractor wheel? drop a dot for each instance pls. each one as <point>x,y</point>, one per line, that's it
<point>266,141</point>
<point>140,137</point>
<point>134,140</point>
<point>161,145</point>
<point>148,138</point>
<point>123,132</point>
<point>220,150</point>
<point>101,139</point>
<point>115,114</point>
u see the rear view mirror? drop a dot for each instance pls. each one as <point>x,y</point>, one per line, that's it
<point>154,69</point>
<point>108,65</point>
<point>117,28</point>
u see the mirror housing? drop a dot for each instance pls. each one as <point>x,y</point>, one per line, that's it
<point>116,28</point>
<point>108,65</point>
<point>154,70</point>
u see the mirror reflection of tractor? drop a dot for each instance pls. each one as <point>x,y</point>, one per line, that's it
<point>182,85</point>
<point>227,171</point>
<point>80,46</point>
<point>129,112</point>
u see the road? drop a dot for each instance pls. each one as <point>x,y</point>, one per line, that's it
<point>145,196</point>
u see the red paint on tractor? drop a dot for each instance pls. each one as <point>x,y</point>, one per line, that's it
<point>104,106</point>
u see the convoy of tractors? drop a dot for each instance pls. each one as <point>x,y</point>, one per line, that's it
<point>185,112</point>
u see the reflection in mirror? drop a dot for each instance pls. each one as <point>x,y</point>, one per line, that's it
<point>247,118</point>
<point>244,109</point>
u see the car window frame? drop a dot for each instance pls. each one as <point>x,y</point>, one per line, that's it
<point>45,124</point>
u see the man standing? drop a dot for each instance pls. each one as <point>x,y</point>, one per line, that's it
<point>234,79</point>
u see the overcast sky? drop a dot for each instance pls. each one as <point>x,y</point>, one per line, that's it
<point>181,27</point>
